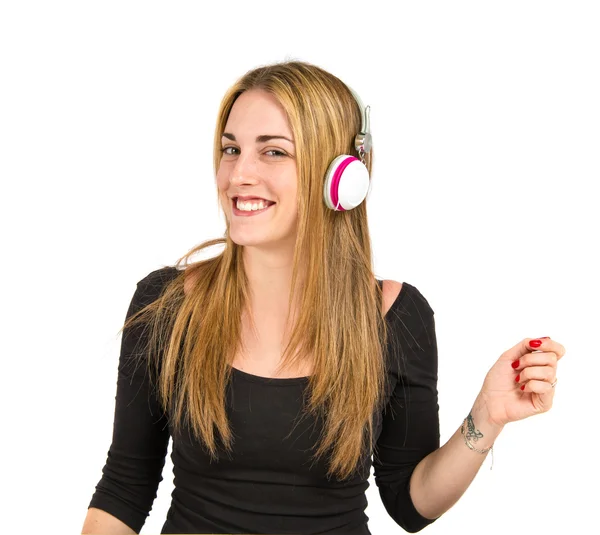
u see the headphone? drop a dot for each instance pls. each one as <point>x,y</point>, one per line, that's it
<point>347,181</point>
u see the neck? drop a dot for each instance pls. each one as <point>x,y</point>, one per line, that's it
<point>269,276</point>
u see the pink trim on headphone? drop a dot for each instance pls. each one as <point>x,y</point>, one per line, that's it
<point>335,181</point>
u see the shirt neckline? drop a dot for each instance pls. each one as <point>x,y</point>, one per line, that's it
<point>282,381</point>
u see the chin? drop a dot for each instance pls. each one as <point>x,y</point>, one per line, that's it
<point>248,240</point>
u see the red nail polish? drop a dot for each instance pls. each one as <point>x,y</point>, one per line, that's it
<point>517,378</point>
<point>515,364</point>
<point>523,387</point>
<point>535,343</point>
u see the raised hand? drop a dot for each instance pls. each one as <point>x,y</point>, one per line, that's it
<point>521,382</point>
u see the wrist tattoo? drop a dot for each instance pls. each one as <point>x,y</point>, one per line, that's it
<point>472,433</point>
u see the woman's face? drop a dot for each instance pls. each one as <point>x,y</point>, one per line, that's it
<point>259,161</point>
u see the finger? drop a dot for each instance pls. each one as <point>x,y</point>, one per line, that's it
<point>535,359</point>
<point>560,350</point>
<point>539,387</point>
<point>547,344</point>
<point>525,346</point>
<point>537,373</point>
<point>529,345</point>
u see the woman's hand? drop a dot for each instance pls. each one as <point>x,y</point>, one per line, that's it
<point>519,384</point>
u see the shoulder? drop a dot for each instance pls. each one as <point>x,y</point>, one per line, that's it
<point>412,339</point>
<point>190,278</point>
<point>391,291</point>
<point>150,287</point>
<point>160,276</point>
<point>405,301</point>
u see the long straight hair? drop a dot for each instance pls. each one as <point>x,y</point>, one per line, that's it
<point>340,327</point>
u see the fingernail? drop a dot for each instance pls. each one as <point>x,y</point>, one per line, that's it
<point>535,343</point>
<point>515,364</point>
<point>523,387</point>
<point>517,378</point>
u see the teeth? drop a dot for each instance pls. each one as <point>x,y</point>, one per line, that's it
<point>251,206</point>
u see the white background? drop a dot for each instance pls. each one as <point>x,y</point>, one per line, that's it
<point>485,118</point>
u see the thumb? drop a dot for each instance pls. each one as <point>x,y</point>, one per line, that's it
<point>527,345</point>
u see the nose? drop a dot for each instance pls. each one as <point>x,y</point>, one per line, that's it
<point>244,171</point>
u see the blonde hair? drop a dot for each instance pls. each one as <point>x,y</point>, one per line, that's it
<point>194,335</point>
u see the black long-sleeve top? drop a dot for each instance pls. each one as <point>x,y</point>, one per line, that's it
<point>271,483</point>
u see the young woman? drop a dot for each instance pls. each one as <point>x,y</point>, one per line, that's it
<point>281,368</point>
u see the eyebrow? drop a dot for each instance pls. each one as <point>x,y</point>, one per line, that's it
<point>259,139</point>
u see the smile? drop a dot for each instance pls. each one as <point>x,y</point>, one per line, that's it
<point>247,213</point>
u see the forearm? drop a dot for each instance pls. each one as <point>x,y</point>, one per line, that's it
<point>101,522</point>
<point>442,477</point>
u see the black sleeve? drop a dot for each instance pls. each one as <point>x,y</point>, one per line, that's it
<point>136,457</point>
<point>410,425</point>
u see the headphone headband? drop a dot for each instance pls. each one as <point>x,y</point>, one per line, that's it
<point>363,140</point>
<point>347,182</point>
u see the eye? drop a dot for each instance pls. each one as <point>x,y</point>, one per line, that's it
<point>274,152</point>
<point>278,153</point>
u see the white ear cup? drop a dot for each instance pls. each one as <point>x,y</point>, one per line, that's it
<point>346,183</point>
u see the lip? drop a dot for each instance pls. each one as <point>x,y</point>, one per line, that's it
<point>241,213</point>
<point>249,197</point>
